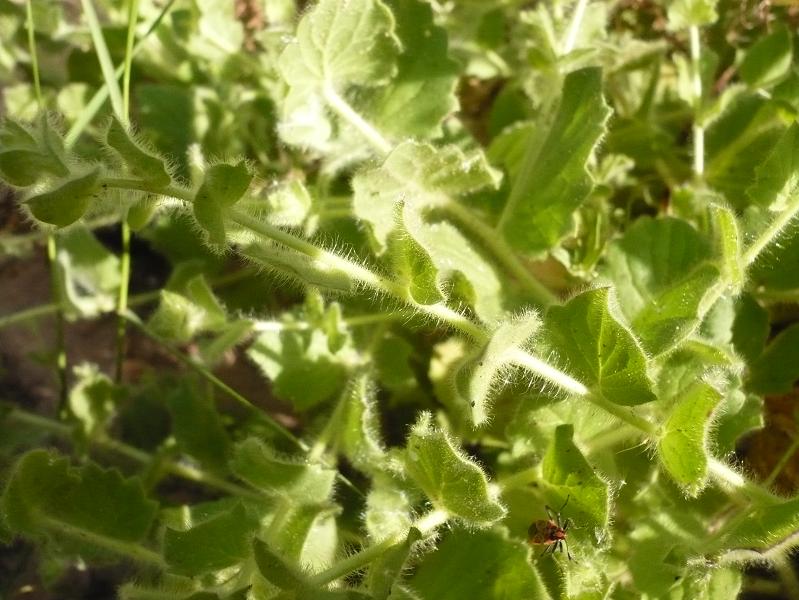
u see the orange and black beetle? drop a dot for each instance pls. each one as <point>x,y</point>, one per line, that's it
<point>550,533</point>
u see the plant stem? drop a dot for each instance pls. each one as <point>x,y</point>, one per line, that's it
<point>737,482</point>
<point>346,112</point>
<point>426,525</point>
<point>124,262</point>
<point>100,96</point>
<point>37,87</point>
<point>696,89</point>
<point>574,26</point>
<point>501,251</point>
<point>52,248</point>
<point>122,301</point>
<point>103,57</point>
<point>784,459</point>
<point>360,274</point>
<point>61,348</point>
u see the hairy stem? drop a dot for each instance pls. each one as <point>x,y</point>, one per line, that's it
<point>427,525</point>
<point>696,90</point>
<point>501,251</point>
<point>349,114</point>
<point>574,26</point>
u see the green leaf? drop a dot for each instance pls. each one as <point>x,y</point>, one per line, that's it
<point>93,399</point>
<point>567,474</point>
<point>553,181</point>
<point>222,187</point>
<point>274,569</point>
<point>777,368</point>
<point>682,446</point>
<point>763,527</point>
<point>451,481</point>
<point>357,426</point>
<point>85,507</point>
<point>728,242</point>
<point>67,200</point>
<point>480,376</point>
<point>87,273</point>
<point>661,274</point>
<point>750,329</point>
<point>305,534</point>
<point>197,427</point>
<point>189,310</point>
<point>418,175</point>
<point>769,59</point>
<point>138,161</point>
<point>422,93</point>
<point>263,468</point>
<point>221,541</point>
<point>388,510</point>
<point>27,154</point>
<point>691,13</point>
<point>481,564</point>
<point>341,43</point>
<point>386,570</point>
<point>598,351</point>
<point>777,177</point>
<point>300,365</point>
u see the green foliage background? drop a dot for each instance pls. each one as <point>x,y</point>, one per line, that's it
<point>487,256</point>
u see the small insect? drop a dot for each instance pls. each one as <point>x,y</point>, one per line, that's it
<point>550,533</point>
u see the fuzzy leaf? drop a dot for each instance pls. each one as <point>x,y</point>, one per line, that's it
<point>482,564</point>
<point>423,91</point>
<point>386,570</point>
<point>25,155</point>
<point>274,569</point>
<point>661,275</point>
<point>419,175</point>
<point>476,379</point>
<point>84,507</point>
<point>776,370</point>
<point>341,43</point>
<point>764,526</point>
<point>137,161</point>
<point>87,273</point>
<point>197,427</point>
<point>263,468</point>
<point>450,480</point>
<point>568,475</point>
<point>358,425</point>
<point>599,352</point>
<point>388,510</point>
<point>222,187</point>
<point>65,203</point>
<point>688,13</point>
<point>553,181</point>
<point>302,368</point>
<point>682,446</point>
<point>769,59</point>
<point>221,541</point>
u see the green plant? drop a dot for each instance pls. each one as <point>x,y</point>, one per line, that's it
<point>572,281</point>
